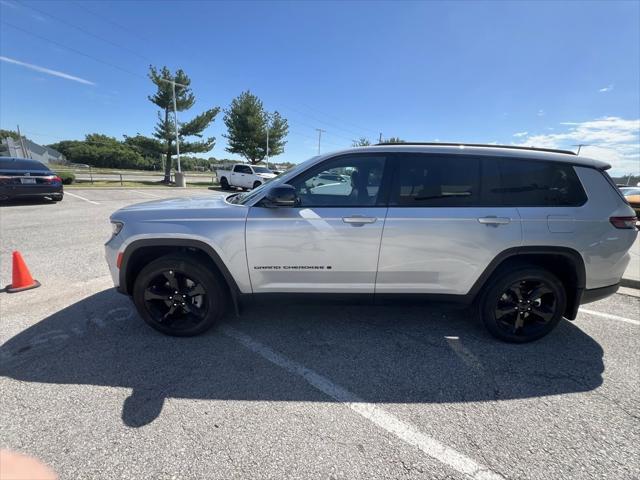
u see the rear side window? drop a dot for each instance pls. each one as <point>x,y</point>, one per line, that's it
<point>526,183</point>
<point>21,164</point>
<point>242,169</point>
<point>436,181</point>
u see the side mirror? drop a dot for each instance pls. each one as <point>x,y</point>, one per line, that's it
<point>281,196</point>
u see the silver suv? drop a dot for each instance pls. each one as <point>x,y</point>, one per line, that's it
<point>525,234</point>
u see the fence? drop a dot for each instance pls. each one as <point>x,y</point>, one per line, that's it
<point>120,177</point>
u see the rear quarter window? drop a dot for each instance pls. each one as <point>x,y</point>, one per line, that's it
<point>531,183</point>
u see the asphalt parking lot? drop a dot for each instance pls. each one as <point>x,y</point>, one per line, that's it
<point>296,391</point>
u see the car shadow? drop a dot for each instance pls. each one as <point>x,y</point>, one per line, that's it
<point>398,354</point>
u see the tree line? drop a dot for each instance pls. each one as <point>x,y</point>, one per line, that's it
<point>248,126</point>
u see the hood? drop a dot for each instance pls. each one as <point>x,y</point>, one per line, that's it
<point>205,206</point>
<point>266,175</point>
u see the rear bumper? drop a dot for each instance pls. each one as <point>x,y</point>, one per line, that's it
<point>595,294</point>
<point>21,191</point>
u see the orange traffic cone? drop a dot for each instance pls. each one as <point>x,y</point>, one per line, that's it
<point>22,279</point>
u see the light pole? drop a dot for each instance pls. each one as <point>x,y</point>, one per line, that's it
<point>267,156</point>
<point>320,131</point>
<point>175,116</point>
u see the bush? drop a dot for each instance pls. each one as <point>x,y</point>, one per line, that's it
<point>67,177</point>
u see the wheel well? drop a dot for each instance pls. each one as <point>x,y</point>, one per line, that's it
<point>143,255</point>
<point>565,266</point>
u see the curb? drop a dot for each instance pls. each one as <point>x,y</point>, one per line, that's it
<point>627,282</point>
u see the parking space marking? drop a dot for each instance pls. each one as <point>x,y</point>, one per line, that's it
<point>392,424</point>
<point>148,194</point>
<point>608,315</point>
<point>81,198</point>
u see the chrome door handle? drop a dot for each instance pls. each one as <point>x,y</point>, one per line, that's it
<point>358,220</point>
<point>494,221</point>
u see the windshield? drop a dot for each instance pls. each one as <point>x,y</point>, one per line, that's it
<point>261,170</point>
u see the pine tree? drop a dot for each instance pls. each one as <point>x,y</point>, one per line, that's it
<point>247,124</point>
<point>165,127</point>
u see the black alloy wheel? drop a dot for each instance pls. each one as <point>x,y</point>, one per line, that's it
<point>523,305</point>
<point>178,296</point>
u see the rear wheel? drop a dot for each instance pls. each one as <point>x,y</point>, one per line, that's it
<point>224,183</point>
<point>256,184</point>
<point>523,305</point>
<point>56,198</point>
<point>177,296</point>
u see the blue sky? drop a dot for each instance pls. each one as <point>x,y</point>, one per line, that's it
<point>533,73</point>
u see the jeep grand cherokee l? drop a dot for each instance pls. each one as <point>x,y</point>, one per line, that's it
<point>526,234</point>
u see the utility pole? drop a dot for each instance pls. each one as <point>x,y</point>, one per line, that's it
<point>320,131</point>
<point>580,145</point>
<point>25,152</point>
<point>267,156</point>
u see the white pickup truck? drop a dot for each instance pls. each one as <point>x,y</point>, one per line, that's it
<point>244,176</point>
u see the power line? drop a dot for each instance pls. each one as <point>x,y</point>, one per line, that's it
<point>112,22</point>
<point>289,107</point>
<point>78,52</point>
<point>339,120</point>
<point>86,32</point>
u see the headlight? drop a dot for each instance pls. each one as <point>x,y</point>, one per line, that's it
<point>116,227</point>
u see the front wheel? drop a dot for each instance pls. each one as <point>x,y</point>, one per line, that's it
<point>523,305</point>
<point>256,184</point>
<point>178,296</point>
<point>224,183</point>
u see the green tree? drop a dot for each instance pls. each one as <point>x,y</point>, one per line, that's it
<point>185,99</point>
<point>100,150</point>
<point>393,140</point>
<point>9,133</point>
<point>247,123</point>
<point>361,142</point>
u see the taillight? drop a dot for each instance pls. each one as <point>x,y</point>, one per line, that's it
<point>623,222</point>
<point>52,179</point>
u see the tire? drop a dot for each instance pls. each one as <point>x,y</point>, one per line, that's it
<point>256,184</point>
<point>224,183</point>
<point>57,198</point>
<point>506,313</point>
<point>196,307</point>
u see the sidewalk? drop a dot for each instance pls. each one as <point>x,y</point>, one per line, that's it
<point>631,277</point>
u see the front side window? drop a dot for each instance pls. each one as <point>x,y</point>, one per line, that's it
<point>423,180</point>
<point>341,182</point>
<point>242,169</point>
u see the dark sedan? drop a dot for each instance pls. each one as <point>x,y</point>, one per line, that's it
<point>21,177</point>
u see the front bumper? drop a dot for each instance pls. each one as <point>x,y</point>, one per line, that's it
<point>595,294</point>
<point>111,249</point>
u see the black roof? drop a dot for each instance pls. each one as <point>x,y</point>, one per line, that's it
<point>516,147</point>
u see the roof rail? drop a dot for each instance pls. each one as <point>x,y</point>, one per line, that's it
<point>515,147</point>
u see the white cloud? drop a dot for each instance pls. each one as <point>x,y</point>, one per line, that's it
<point>54,73</point>
<point>541,113</point>
<point>608,88</point>
<point>612,139</point>
<point>6,3</point>
<point>520,134</point>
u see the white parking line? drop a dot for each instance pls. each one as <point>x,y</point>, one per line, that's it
<point>608,315</point>
<point>148,194</point>
<point>81,198</point>
<point>392,424</point>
